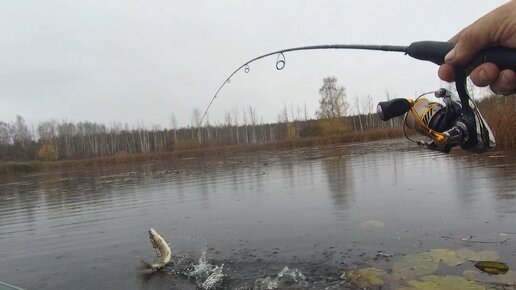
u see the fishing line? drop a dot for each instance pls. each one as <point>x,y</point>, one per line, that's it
<point>281,60</point>
<point>466,127</point>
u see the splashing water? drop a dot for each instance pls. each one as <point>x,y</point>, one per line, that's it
<point>201,268</point>
<point>205,274</point>
<point>215,279</point>
<point>285,278</point>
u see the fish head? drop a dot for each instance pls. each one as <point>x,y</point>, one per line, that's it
<point>153,235</point>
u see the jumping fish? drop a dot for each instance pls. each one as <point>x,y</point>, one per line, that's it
<point>162,251</point>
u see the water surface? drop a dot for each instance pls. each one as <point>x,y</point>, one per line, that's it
<point>254,213</point>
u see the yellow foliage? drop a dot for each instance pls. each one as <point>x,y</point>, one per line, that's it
<point>47,152</point>
<point>291,131</point>
<point>331,126</point>
<point>121,155</point>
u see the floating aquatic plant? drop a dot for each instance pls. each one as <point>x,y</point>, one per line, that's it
<point>416,271</point>
<point>414,265</point>
<point>449,282</point>
<point>367,277</point>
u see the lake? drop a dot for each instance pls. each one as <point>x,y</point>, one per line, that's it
<point>321,212</point>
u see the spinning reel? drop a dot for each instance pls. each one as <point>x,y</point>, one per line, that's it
<point>457,122</point>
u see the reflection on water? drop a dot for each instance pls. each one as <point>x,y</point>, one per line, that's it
<point>340,181</point>
<point>256,214</point>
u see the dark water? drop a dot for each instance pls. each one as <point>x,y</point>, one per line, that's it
<point>255,214</point>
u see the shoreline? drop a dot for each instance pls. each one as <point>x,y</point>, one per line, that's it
<point>202,151</point>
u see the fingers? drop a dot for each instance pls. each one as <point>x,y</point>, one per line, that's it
<point>506,83</point>
<point>485,74</point>
<point>503,82</point>
<point>446,72</point>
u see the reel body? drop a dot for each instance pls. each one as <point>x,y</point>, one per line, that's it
<point>433,119</point>
<point>456,122</point>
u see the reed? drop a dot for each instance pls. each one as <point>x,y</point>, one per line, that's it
<point>500,114</point>
<point>198,151</point>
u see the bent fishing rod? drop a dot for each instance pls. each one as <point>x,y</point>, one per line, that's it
<point>458,122</point>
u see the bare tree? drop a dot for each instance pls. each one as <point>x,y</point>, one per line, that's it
<point>359,113</point>
<point>253,119</point>
<point>21,133</point>
<point>228,125</point>
<point>367,104</point>
<point>5,139</point>
<point>235,114</point>
<point>196,123</point>
<point>332,103</point>
<point>173,123</point>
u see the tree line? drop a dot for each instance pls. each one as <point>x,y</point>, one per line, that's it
<point>53,140</point>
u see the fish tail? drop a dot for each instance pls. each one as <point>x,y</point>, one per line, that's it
<point>144,265</point>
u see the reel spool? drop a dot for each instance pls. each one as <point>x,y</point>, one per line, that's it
<point>431,118</point>
<point>425,116</point>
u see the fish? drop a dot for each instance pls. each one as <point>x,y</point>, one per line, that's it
<point>163,252</point>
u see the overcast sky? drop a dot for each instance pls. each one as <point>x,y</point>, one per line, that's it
<point>139,61</point>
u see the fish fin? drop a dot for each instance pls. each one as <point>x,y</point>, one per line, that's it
<point>144,265</point>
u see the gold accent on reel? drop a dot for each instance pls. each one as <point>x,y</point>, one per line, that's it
<point>420,116</point>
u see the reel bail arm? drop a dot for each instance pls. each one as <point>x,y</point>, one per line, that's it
<point>458,122</point>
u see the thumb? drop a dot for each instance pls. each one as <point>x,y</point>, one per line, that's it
<point>469,42</point>
<point>495,28</point>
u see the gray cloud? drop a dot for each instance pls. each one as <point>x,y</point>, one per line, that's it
<point>129,61</point>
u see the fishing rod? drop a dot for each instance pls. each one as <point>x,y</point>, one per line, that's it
<point>458,122</point>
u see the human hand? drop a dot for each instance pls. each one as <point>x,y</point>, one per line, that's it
<point>497,28</point>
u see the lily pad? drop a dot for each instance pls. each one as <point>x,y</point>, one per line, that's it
<point>508,278</point>
<point>468,254</point>
<point>470,275</point>
<point>492,267</point>
<point>366,277</point>
<point>415,265</point>
<point>449,282</point>
<point>371,224</point>
<point>447,256</point>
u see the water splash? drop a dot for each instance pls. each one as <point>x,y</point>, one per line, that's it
<point>205,274</point>
<point>202,268</point>
<point>215,279</point>
<point>292,278</point>
<point>295,274</point>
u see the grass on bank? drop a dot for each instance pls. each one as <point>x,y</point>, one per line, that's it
<point>499,112</point>
<point>12,167</point>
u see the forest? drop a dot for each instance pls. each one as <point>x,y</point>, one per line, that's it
<point>333,123</point>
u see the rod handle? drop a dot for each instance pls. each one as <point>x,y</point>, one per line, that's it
<point>393,108</point>
<point>435,51</point>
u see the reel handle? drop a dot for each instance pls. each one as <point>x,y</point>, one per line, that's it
<point>393,108</point>
<point>435,51</point>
